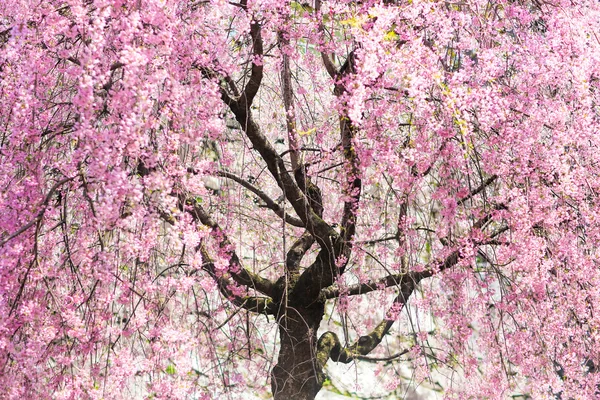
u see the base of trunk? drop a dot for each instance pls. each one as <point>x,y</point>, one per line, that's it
<point>297,375</point>
<point>297,384</point>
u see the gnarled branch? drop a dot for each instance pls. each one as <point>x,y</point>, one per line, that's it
<point>297,252</point>
<point>329,345</point>
<point>261,305</point>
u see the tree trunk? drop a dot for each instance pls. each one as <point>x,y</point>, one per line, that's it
<point>297,376</point>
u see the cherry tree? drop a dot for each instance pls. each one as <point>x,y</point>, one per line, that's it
<point>221,198</point>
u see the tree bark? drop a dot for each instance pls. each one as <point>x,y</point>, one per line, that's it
<point>297,376</point>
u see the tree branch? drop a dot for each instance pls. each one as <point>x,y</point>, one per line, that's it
<point>276,166</point>
<point>363,288</point>
<point>288,101</point>
<point>332,260</point>
<point>329,67</point>
<point>256,71</point>
<point>351,164</point>
<point>43,207</point>
<point>381,240</point>
<point>239,274</point>
<point>402,278</point>
<point>261,305</point>
<point>379,359</point>
<point>297,252</point>
<point>269,203</point>
<point>478,190</point>
<point>329,345</point>
<point>353,189</point>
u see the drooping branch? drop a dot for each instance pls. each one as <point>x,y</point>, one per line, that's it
<point>241,110</point>
<point>288,101</point>
<point>329,345</point>
<point>238,273</point>
<point>276,166</point>
<point>478,190</point>
<point>40,214</point>
<point>269,203</point>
